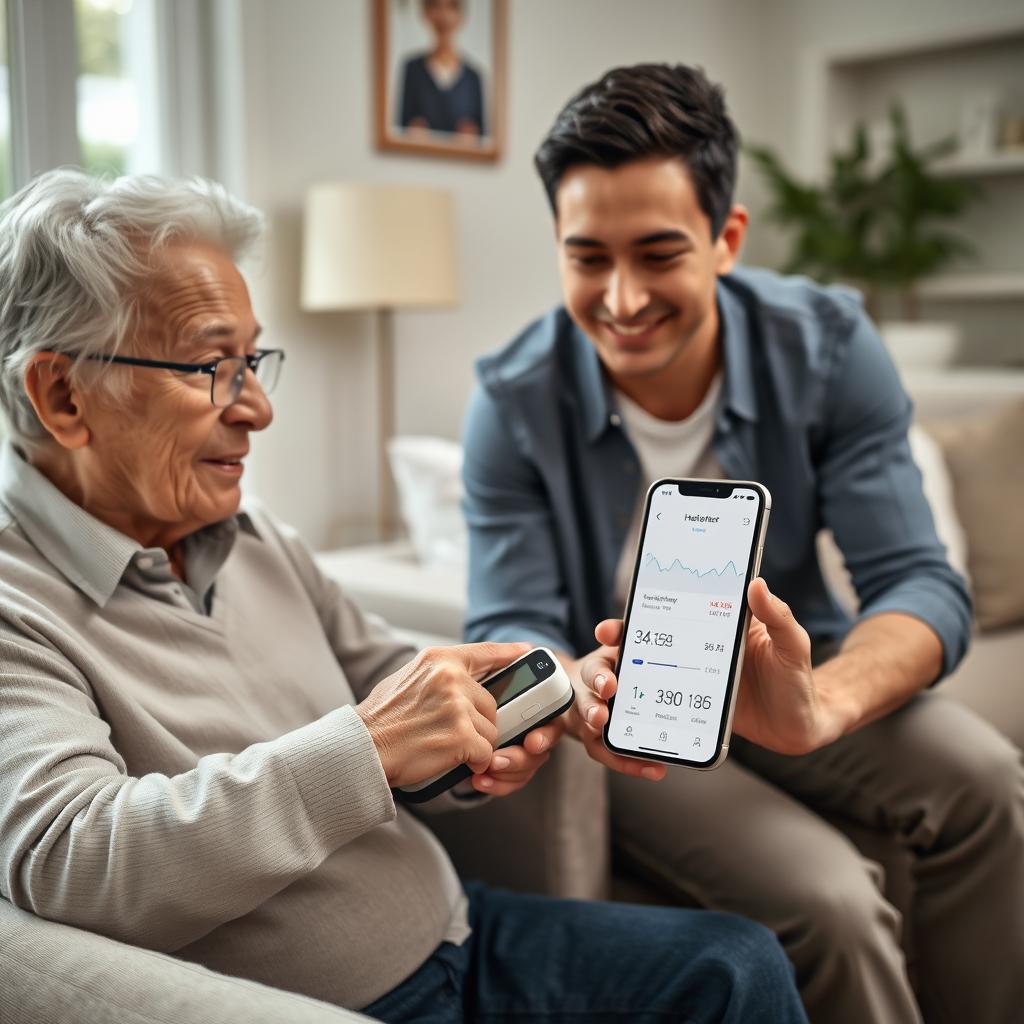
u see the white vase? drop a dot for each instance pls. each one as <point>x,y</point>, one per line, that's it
<point>921,345</point>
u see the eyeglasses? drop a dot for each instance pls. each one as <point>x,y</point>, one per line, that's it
<point>227,374</point>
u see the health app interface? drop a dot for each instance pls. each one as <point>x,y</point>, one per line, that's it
<point>689,603</point>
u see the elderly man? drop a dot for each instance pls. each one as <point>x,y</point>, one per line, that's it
<point>200,732</point>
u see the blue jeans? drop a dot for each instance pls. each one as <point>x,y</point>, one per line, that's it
<point>532,958</point>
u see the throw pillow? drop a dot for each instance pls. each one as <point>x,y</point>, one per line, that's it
<point>428,475</point>
<point>984,455</point>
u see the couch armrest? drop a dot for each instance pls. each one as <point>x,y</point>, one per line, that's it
<point>387,580</point>
<point>551,837</point>
<point>52,972</point>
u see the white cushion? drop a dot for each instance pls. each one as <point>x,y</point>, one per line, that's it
<point>428,475</point>
<point>938,489</point>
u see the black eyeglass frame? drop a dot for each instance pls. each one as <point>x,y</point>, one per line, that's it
<point>251,363</point>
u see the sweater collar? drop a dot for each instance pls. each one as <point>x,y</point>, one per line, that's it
<point>90,554</point>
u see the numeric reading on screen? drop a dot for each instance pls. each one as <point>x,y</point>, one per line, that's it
<point>642,636</point>
<point>683,623</point>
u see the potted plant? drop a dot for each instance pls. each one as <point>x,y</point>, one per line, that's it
<point>876,223</point>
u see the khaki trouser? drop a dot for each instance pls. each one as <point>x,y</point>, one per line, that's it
<point>748,838</point>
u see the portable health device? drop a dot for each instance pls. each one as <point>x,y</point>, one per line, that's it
<point>530,692</point>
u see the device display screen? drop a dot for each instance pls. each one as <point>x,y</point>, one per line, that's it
<point>683,625</point>
<point>518,678</point>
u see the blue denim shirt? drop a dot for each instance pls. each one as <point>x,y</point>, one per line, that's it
<point>811,406</point>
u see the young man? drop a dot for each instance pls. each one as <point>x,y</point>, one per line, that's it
<point>667,359</point>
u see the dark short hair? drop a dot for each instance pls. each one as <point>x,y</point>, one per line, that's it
<point>648,110</point>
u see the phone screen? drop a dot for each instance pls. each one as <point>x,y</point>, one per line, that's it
<point>685,621</point>
<point>519,677</point>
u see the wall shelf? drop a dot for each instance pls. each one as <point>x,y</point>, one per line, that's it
<point>1006,381</point>
<point>1007,162</point>
<point>994,32</point>
<point>940,394</point>
<point>972,288</point>
<point>939,78</point>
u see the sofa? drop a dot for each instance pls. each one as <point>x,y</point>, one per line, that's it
<point>554,836</point>
<point>51,973</point>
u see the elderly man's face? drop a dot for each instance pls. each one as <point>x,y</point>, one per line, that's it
<point>167,457</point>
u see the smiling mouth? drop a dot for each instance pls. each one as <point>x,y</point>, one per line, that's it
<point>231,467</point>
<point>634,332</point>
<point>631,332</point>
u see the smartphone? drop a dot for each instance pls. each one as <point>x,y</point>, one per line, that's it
<point>529,693</point>
<point>685,624</point>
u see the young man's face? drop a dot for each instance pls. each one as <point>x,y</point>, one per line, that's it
<point>638,264</point>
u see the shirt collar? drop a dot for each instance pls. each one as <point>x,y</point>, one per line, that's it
<point>593,392</point>
<point>738,392</point>
<point>92,555</point>
<point>597,402</point>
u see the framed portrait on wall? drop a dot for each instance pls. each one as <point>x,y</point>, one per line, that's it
<point>439,73</point>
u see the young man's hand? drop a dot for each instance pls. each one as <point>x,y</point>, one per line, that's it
<point>511,768</point>
<point>779,706</point>
<point>593,679</point>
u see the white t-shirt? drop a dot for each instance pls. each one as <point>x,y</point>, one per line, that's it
<point>666,448</point>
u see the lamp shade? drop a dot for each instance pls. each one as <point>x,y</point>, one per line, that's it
<point>377,247</point>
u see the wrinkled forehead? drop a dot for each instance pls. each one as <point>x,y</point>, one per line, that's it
<point>193,290</point>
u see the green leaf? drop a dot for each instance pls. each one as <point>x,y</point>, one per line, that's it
<point>868,223</point>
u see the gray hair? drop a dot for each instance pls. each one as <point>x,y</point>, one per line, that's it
<point>73,252</point>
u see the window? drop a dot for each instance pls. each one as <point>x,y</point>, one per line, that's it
<point>5,108</point>
<point>117,89</point>
<point>114,86</point>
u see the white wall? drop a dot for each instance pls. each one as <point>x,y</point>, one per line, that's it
<point>304,79</point>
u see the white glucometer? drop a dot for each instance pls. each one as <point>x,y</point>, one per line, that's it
<point>530,692</point>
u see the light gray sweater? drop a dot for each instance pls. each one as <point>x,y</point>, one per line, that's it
<point>200,783</point>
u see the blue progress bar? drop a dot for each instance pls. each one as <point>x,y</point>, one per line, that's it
<point>638,661</point>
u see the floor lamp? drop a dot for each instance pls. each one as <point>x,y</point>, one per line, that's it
<point>379,248</point>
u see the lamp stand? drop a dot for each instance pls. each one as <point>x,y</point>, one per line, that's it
<point>385,421</point>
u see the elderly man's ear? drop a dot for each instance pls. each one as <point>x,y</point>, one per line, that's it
<point>56,400</point>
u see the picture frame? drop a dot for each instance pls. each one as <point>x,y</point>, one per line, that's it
<point>439,77</point>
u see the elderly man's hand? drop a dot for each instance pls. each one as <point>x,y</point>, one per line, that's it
<point>433,714</point>
<point>593,678</point>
